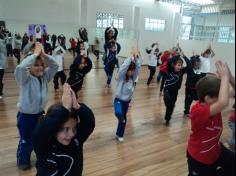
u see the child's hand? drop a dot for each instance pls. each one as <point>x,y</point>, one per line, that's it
<point>67,97</point>
<point>38,49</point>
<point>75,103</point>
<point>222,69</point>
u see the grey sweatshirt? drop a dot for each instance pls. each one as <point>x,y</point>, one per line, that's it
<point>33,94</point>
<point>3,55</point>
<point>125,89</point>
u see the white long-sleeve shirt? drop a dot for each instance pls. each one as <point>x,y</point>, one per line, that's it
<point>59,58</point>
<point>153,57</point>
<point>205,64</point>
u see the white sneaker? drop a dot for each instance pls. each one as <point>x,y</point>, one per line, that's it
<point>120,139</point>
<point>1,97</point>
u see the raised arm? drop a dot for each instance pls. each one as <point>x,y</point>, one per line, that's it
<point>223,99</point>
<point>22,72</point>
<point>118,48</point>
<point>123,69</point>
<point>138,63</point>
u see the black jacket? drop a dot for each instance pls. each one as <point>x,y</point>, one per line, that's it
<point>77,75</point>
<point>192,76</point>
<point>54,158</point>
<point>174,79</point>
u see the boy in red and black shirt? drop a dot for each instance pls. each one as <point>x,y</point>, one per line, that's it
<point>206,154</point>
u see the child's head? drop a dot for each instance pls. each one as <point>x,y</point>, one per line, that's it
<point>65,123</point>
<point>111,33</point>
<point>81,45</point>
<point>207,53</point>
<point>178,64</point>
<point>37,69</point>
<point>196,62</point>
<point>83,63</point>
<point>208,89</point>
<point>130,71</point>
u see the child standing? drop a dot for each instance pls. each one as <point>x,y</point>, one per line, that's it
<point>153,59</point>
<point>3,62</point>
<point>173,84</point>
<point>193,76</point>
<point>126,78</point>
<point>58,56</point>
<point>73,45</point>
<point>111,60</point>
<point>17,47</point>
<point>9,45</point>
<point>58,140</point>
<point>78,70</point>
<point>206,60</point>
<point>32,79</point>
<point>206,155</point>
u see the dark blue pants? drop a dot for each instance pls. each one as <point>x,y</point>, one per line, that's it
<point>109,72</point>
<point>170,98</point>
<point>121,109</point>
<point>26,124</point>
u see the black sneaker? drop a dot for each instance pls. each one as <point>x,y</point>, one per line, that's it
<point>167,123</point>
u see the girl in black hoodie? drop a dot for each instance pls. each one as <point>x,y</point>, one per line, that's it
<point>81,66</point>
<point>173,84</point>
<point>59,138</point>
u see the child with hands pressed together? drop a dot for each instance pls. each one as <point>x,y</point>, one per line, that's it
<point>126,78</point>
<point>207,156</point>
<point>58,140</point>
<point>32,78</point>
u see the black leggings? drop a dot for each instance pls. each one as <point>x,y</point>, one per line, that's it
<point>224,166</point>
<point>170,98</point>
<point>152,73</point>
<point>1,83</point>
<point>17,55</point>
<point>190,96</point>
<point>163,81</point>
<point>58,75</point>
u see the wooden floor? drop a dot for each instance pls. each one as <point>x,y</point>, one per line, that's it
<point>150,149</point>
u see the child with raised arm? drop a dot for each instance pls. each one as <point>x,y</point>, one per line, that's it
<point>58,140</point>
<point>32,78</point>
<point>126,78</point>
<point>59,54</point>
<point>207,156</point>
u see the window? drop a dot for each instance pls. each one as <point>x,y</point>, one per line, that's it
<point>226,35</point>
<point>155,25</point>
<point>186,27</point>
<point>105,20</point>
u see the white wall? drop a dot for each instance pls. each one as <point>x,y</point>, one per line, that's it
<point>67,16</point>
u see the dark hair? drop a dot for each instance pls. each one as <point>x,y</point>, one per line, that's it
<point>208,86</point>
<point>55,111</point>
<point>208,51</point>
<point>132,67</point>
<point>195,59</point>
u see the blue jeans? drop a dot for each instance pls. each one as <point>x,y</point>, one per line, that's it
<point>109,72</point>
<point>121,109</point>
<point>26,124</point>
